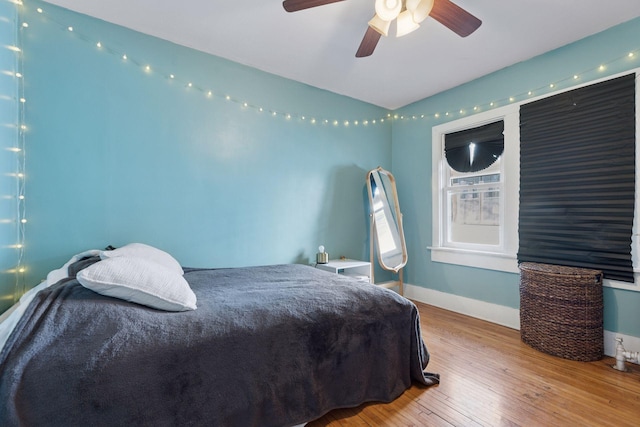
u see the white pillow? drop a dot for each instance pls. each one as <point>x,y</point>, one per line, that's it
<point>140,250</point>
<point>141,281</point>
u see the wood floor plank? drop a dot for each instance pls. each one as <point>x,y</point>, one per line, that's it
<point>489,377</point>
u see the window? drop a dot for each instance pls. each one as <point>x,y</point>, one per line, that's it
<point>475,165</point>
<point>456,204</point>
<point>473,185</point>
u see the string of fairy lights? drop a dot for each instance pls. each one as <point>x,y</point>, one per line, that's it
<point>592,73</point>
<point>617,64</point>
<point>203,89</point>
<point>18,149</point>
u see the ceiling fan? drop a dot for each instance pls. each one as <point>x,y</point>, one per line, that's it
<point>408,15</point>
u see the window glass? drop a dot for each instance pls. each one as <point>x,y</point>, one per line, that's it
<point>473,201</point>
<point>473,185</point>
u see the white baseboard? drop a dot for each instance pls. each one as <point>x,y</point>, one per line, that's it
<point>505,316</point>
<point>502,315</point>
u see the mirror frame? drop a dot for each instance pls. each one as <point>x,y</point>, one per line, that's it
<point>373,233</point>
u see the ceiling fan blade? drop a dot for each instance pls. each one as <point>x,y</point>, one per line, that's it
<point>369,43</point>
<point>296,5</point>
<point>454,17</point>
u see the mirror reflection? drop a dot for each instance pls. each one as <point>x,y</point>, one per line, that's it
<point>387,236</point>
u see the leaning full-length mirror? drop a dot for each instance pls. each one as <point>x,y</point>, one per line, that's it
<point>387,235</point>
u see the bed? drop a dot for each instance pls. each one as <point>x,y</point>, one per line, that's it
<point>276,345</point>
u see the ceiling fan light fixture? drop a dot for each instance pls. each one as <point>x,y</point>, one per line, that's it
<point>405,24</point>
<point>388,10</point>
<point>380,25</point>
<point>420,9</point>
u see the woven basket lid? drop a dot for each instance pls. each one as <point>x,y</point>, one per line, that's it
<point>561,270</point>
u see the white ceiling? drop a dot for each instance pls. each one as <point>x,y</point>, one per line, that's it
<point>317,46</point>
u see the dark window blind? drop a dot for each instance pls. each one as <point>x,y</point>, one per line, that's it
<point>488,143</point>
<point>577,178</point>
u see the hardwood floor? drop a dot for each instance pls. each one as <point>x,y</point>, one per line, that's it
<point>490,378</point>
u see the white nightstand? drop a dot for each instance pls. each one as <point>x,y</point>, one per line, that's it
<point>349,267</point>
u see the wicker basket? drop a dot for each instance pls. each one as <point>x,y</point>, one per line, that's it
<point>561,310</point>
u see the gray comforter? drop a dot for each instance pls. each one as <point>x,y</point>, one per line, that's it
<point>267,346</point>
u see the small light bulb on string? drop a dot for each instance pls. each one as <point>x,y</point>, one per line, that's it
<point>99,44</point>
<point>70,28</point>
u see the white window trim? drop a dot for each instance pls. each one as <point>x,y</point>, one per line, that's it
<point>506,260</point>
<point>502,257</point>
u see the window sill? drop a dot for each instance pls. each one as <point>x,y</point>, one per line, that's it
<point>624,285</point>
<point>479,259</point>
<point>504,262</point>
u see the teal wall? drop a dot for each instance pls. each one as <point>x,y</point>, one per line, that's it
<point>118,154</point>
<point>9,159</point>
<point>412,162</point>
